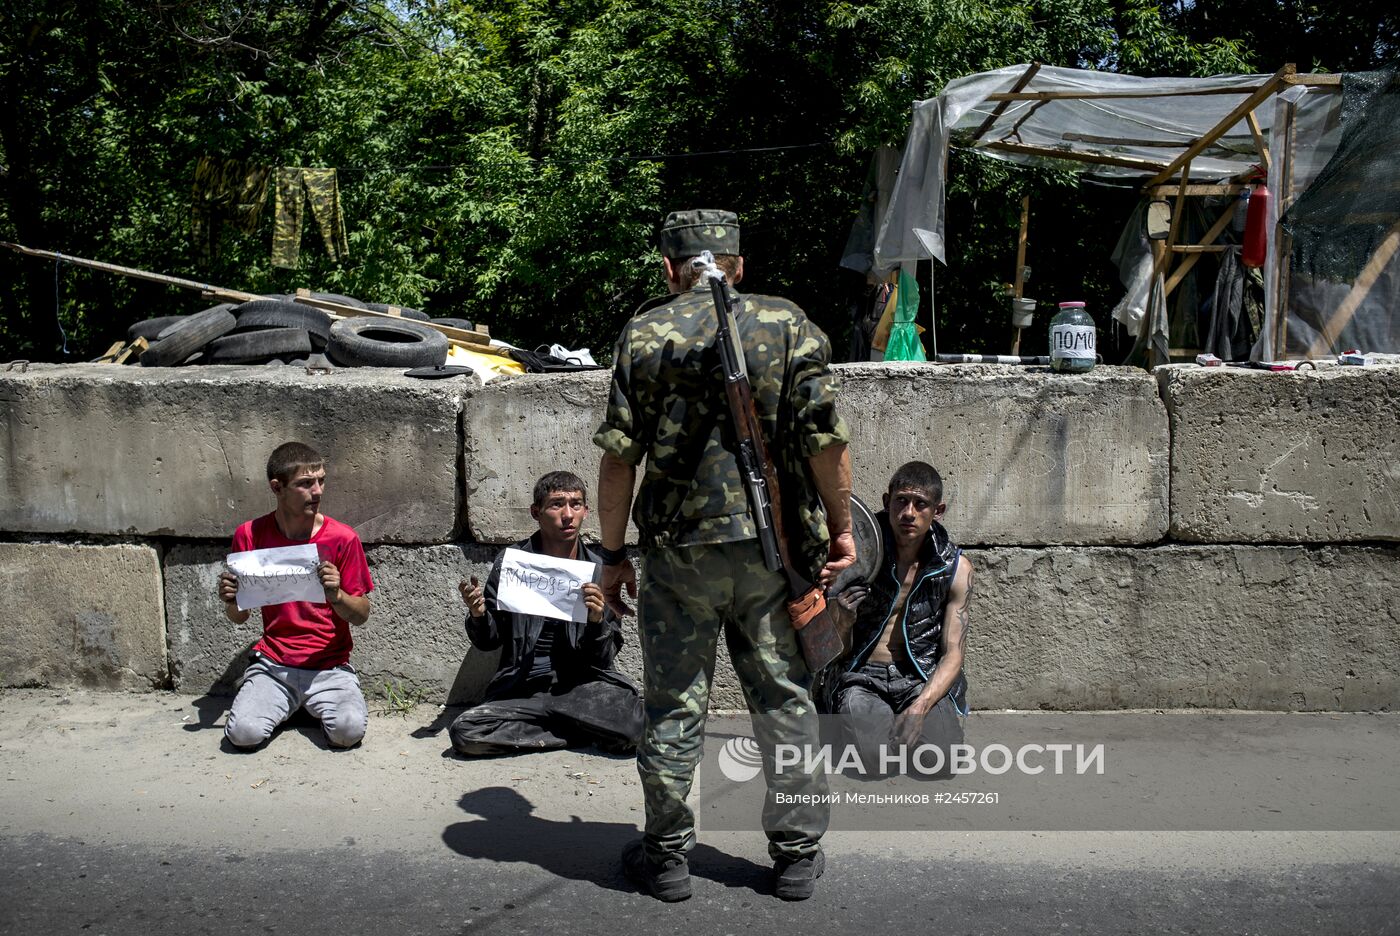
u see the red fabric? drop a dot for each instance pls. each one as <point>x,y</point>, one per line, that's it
<point>303,633</point>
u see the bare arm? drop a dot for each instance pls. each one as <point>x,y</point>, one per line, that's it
<point>353,608</point>
<point>954,641</point>
<point>615,480</point>
<point>831,472</point>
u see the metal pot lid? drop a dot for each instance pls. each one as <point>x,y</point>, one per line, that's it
<point>870,547</point>
<point>439,372</point>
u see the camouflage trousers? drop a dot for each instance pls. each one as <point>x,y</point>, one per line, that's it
<point>688,595</point>
<point>296,187</point>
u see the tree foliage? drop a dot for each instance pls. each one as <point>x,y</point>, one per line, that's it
<point>507,161</point>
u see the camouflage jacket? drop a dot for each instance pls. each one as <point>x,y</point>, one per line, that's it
<point>668,403</point>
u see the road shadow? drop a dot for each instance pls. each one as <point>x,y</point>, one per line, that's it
<point>439,724</point>
<point>210,709</point>
<point>508,831</point>
<point>219,697</point>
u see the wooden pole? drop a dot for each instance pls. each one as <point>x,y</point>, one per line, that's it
<point>473,338</point>
<point>1185,266</point>
<point>1259,143</point>
<point>1129,162</point>
<point>1221,128</point>
<point>1283,243</point>
<point>1021,82</point>
<point>1020,280</point>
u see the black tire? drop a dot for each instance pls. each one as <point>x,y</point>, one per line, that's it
<point>269,313</point>
<point>177,321</point>
<point>257,346</point>
<point>378,342</point>
<point>152,327</point>
<point>404,311</point>
<point>185,338</point>
<point>350,301</point>
<point>464,324</point>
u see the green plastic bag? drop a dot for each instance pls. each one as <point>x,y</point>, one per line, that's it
<point>905,344</point>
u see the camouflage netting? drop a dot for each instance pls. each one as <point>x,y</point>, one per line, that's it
<point>1344,280</point>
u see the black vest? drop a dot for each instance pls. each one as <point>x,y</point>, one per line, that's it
<point>922,626</point>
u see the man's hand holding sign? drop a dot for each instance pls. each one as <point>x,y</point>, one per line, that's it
<point>563,589</point>
<point>285,573</point>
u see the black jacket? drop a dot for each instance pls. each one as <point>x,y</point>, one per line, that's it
<point>584,653</point>
<point>922,626</point>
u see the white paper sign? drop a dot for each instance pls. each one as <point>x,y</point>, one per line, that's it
<point>272,576</point>
<point>542,585</point>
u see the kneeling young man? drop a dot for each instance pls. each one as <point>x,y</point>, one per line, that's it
<point>903,683</point>
<point>303,658</point>
<point>555,686</point>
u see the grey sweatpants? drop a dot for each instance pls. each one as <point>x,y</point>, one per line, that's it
<point>270,693</point>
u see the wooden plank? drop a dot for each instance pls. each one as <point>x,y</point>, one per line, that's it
<point>1326,343</point>
<point>230,295</point>
<point>1164,259</point>
<point>110,355</point>
<point>1186,265</point>
<point>1021,82</point>
<point>137,347</point>
<point>1101,95</point>
<point>1283,246</point>
<point>1199,248</point>
<point>1224,126</point>
<point>1166,191</point>
<point>1259,143</point>
<point>1021,264</point>
<point>1118,141</point>
<point>474,338</point>
<point>1128,162</point>
<point>1315,81</point>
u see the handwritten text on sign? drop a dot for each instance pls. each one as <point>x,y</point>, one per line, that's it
<point>272,576</point>
<point>542,585</point>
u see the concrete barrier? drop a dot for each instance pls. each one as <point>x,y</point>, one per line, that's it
<point>1286,628</point>
<point>1029,459</point>
<point>1058,628</point>
<point>514,431</point>
<point>1311,456</point>
<point>1026,457</point>
<point>182,452</point>
<point>81,615</point>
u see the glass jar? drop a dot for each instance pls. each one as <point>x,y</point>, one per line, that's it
<point>1073,339</point>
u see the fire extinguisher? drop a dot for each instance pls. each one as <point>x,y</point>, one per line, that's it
<point>1256,225</point>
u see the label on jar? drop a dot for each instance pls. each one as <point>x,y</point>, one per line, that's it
<point>1072,341</point>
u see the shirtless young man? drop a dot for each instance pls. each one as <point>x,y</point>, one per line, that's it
<point>903,682</point>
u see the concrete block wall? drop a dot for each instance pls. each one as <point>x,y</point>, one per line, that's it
<point>1189,538</point>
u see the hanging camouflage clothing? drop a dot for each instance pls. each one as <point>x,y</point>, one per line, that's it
<point>228,191</point>
<point>294,188</point>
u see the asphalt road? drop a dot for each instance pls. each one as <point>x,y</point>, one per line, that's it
<point>123,814</point>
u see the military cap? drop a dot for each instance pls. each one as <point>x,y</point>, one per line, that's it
<point>686,233</point>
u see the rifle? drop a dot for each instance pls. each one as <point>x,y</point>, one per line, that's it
<point>816,631</point>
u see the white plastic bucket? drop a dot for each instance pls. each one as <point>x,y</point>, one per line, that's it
<point>1022,311</point>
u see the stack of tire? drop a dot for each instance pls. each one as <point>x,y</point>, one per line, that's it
<point>276,330</point>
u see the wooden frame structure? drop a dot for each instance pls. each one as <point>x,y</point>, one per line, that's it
<point>1172,261</point>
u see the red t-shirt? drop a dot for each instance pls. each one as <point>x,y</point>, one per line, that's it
<point>309,634</point>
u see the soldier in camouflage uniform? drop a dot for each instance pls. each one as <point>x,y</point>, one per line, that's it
<point>703,568</point>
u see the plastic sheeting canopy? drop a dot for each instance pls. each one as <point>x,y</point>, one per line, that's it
<point>1148,121</point>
